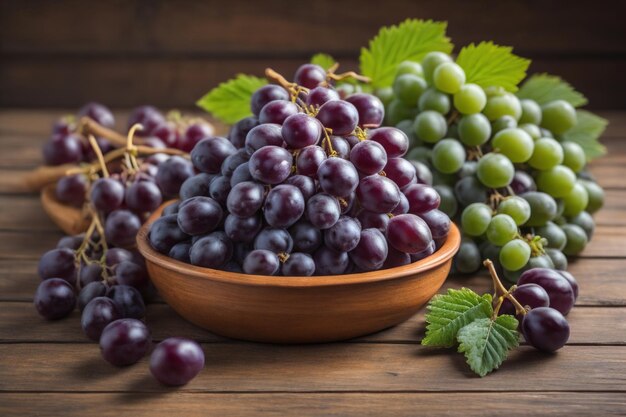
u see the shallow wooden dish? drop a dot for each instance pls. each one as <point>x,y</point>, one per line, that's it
<point>296,309</point>
<point>70,219</point>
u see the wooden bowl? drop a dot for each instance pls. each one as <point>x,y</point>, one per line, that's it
<point>71,220</point>
<point>280,309</point>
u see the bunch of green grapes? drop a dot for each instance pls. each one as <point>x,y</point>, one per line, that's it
<point>518,190</point>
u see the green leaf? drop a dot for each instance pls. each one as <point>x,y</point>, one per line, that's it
<point>486,342</point>
<point>544,88</point>
<point>408,41</point>
<point>587,132</point>
<point>230,101</point>
<point>323,60</point>
<point>448,313</point>
<point>487,64</point>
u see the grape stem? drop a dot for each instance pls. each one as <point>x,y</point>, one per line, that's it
<point>102,163</point>
<point>501,292</point>
<point>89,126</point>
<point>330,75</point>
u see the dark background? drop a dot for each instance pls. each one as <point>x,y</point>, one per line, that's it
<point>61,53</point>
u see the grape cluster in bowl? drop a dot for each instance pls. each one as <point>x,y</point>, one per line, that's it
<point>308,185</point>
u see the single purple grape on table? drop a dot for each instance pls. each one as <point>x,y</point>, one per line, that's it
<point>165,233</point>
<point>148,116</point>
<point>395,141</point>
<point>143,197</point>
<point>239,131</point>
<point>245,199</point>
<point>99,113</point>
<point>264,95</point>
<point>176,361</point>
<point>545,328</point>
<point>320,95</point>
<point>274,239</point>
<point>233,161</point>
<point>125,341</point>
<point>277,111</point>
<point>54,298</point>
<point>180,252</point>
<point>396,258</point>
<point>89,292</point>
<point>522,183</point>
<point>371,220</point>
<point>71,242</point>
<point>89,273</point>
<point>97,314</point>
<point>261,262</point>
<point>309,160</point>
<point>241,174</point>
<point>121,227</point>
<point>115,256</point>
<point>340,145</point>
<point>344,235</point>
<point>572,281</point>
<point>271,164</point>
<point>422,198</point>
<point>242,229</point>
<point>219,189</point>
<point>400,171</point>
<point>408,233</point>
<point>199,215</point>
<point>306,185</point>
<point>531,295</point>
<point>168,134</point>
<point>371,110</point>
<point>128,300</point>
<point>402,207</point>
<point>71,189</point>
<point>298,265</point>
<point>330,262</point>
<point>300,130</point>
<point>306,237</point>
<point>339,116</point>
<point>107,194</point>
<point>130,273</point>
<point>439,224</point>
<point>195,186</point>
<point>172,174</point>
<point>59,150</point>
<point>337,177</point>
<point>209,154</point>
<point>211,251</point>
<point>283,206</point>
<point>309,76</point>
<point>58,263</point>
<point>558,287</point>
<point>263,135</point>
<point>378,194</point>
<point>371,252</point>
<point>323,210</point>
<point>194,134</point>
<point>368,157</point>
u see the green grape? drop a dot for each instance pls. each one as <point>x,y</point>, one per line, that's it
<point>469,190</point>
<point>576,239</point>
<point>410,67</point>
<point>559,260</point>
<point>542,208</point>
<point>573,156</point>
<point>545,133</point>
<point>430,126</point>
<point>595,194</point>
<point>504,122</point>
<point>470,99</point>
<point>397,111</point>
<point>553,234</point>
<point>559,208</point>
<point>407,127</point>
<point>515,144</point>
<point>474,129</point>
<point>385,94</point>
<point>558,181</point>
<point>517,208</point>
<point>408,88</point>
<point>531,112</point>
<point>533,130</point>
<point>547,154</point>
<point>502,105</point>
<point>501,229</point>
<point>585,221</point>
<point>439,178</point>
<point>468,169</point>
<point>475,219</point>
<point>448,202</point>
<point>448,156</point>
<point>419,153</point>
<point>514,255</point>
<point>435,100</point>
<point>495,170</point>
<point>541,261</point>
<point>467,259</point>
<point>449,77</point>
<point>431,61</point>
<point>558,116</point>
<point>576,201</point>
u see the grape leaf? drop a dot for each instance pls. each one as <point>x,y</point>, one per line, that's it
<point>408,41</point>
<point>487,64</point>
<point>486,342</point>
<point>323,60</point>
<point>587,132</point>
<point>230,101</point>
<point>544,88</point>
<point>448,313</point>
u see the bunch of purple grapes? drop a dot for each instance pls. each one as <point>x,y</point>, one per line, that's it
<point>308,185</point>
<point>550,294</point>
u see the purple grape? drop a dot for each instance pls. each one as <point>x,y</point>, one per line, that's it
<point>271,164</point>
<point>400,171</point>
<point>199,215</point>
<point>58,263</point>
<point>402,207</point>
<point>143,197</point>
<point>323,210</point>
<point>89,292</point>
<point>71,189</point>
<point>232,162</point>
<point>125,341</point>
<point>344,235</point>
<point>339,145</point>
<point>371,252</point>
<point>153,142</point>
<point>128,300</point>
<point>430,249</point>
<point>277,111</point>
<point>168,134</point>
<point>439,224</point>
<point>211,251</point>
<point>219,189</point>
<point>337,177</point>
<point>239,131</point>
<point>194,134</point>
<point>195,186</point>
<point>283,206</point>
<point>99,113</point>
<point>309,160</point>
<point>371,220</point>
<point>261,262</point>
<point>522,183</point>
<point>556,285</point>
<point>306,237</point>
<point>148,116</point>
<point>171,208</point>
<point>339,116</point>
<point>572,281</point>
<point>121,227</point>
<point>241,174</point>
<point>396,258</point>
<point>306,185</point>
<point>180,252</point>
<point>71,242</point>
<point>545,328</point>
<point>132,274</point>
<point>422,198</point>
<point>233,266</point>
<point>89,273</point>
<point>245,199</point>
<point>107,194</point>
<point>165,233</point>
<point>300,130</point>
<point>395,141</point>
<point>378,194</point>
<point>97,314</point>
<point>309,76</point>
<point>330,262</point>
<point>274,240</point>
<point>209,154</point>
<point>368,157</point>
<point>531,295</point>
<point>320,95</point>
<point>408,233</point>
<point>172,174</point>
<point>264,95</point>
<point>242,229</point>
<point>115,256</point>
<point>59,150</point>
<point>298,265</point>
<point>263,135</point>
<point>371,110</point>
<point>176,361</point>
<point>54,298</point>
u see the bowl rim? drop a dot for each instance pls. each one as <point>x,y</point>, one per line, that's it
<point>442,255</point>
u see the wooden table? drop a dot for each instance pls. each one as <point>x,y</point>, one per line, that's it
<point>51,369</point>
